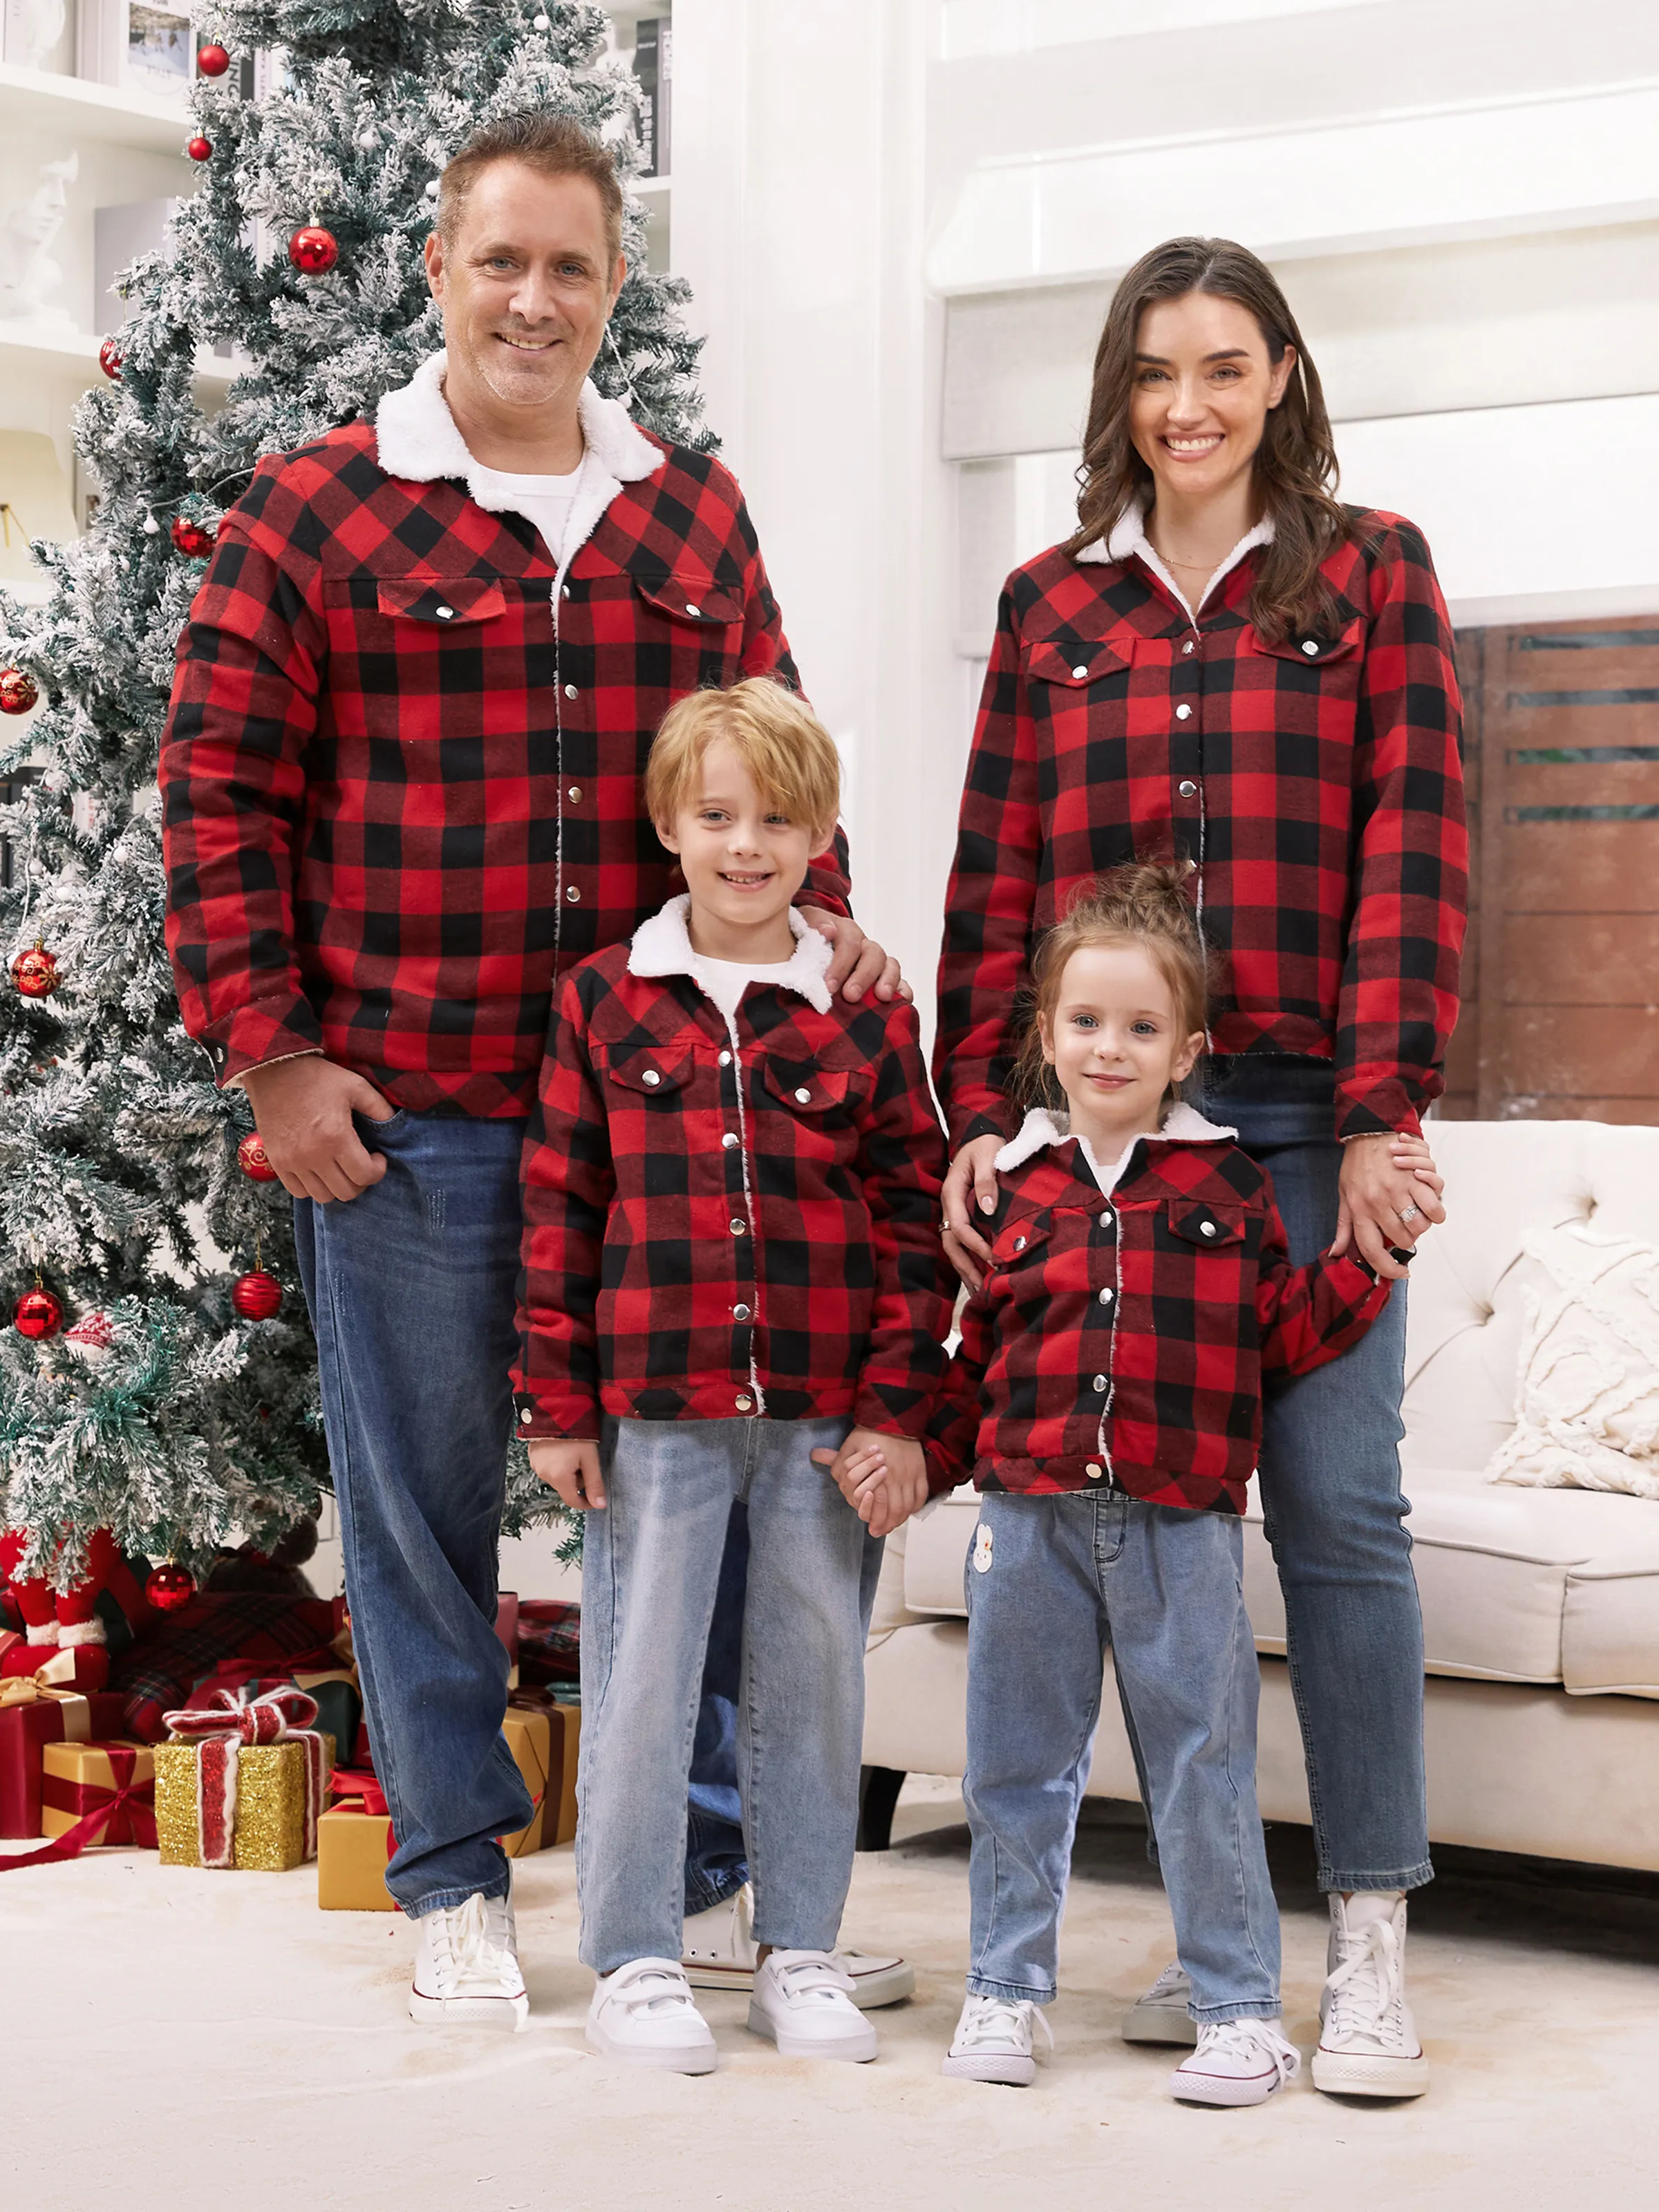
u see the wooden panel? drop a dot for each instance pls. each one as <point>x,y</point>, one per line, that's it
<point>1554,1048</point>
<point>1568,867</point>
<point>1592,959</point>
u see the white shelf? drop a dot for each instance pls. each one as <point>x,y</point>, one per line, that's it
<point>650,188</point>
<point>79,109</point>
<point>69,358</point>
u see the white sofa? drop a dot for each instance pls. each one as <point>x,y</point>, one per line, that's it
<point>1540,1608</point>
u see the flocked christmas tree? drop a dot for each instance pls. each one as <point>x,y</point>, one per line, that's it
<point>141,1389</point>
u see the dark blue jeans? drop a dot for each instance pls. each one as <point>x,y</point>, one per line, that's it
<point>1335,1514</point>
<point>411,1288</point>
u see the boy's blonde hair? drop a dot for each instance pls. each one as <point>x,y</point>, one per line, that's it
<point>1145,903</point>
<point>782,743</point>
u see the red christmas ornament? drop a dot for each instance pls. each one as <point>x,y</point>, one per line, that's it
<point>197,539</point>
<point>313,250</point>
<point>109,360</point>
<point>251,1158</point>
<point>212,61</point>
<point>256,1297</point>
<point>35,973</point>
<point>18,692</point>
<point>37,1314</point>
<point>200,149</point>
<point>171,1588</point>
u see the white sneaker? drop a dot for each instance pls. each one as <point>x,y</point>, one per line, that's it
<point>645,2015</point>
<point>719,1949</point>
<point>467,1966</point>
<point>992,2041</point>
<point>803,2003</point>
<point>1368,2041</point>
<point>1237,2062</point>
<point>1161,2016</point>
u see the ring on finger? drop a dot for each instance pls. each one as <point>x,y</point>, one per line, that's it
<point>1408,1212</point>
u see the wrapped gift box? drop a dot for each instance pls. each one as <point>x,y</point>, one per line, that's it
<point>354,1842</point>
<point>270,1817</point>
<point>116,1778</point>
<point>543,1737</point>
<point>35,1718</point>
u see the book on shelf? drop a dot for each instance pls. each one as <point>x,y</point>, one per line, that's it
<point>653,65</point>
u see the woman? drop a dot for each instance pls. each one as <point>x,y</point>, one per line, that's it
<point>1225,664</point>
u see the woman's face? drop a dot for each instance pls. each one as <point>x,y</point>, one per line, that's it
<point>1203,385</point>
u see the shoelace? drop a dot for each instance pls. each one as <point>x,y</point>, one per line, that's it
<point>1367,1989</point>
<point>1002,2021</point>
<point>653,1986</point>
<point>1248,2039</point>
<point>812,1974</point>
<point>464,1949</point>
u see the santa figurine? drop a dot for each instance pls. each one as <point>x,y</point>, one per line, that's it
<point>76,1620</point>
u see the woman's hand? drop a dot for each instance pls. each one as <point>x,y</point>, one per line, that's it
<point>970,1186</point>
<point>1388,1192</point>
<point>883,1479</point>
<point>857,961</point>
<point>570,1466</point>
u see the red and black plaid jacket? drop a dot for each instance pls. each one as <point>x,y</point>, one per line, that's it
<point>721,1223</point>
<point>397,805</point>
<point>1121,1339</point>
<point>1318,785</point>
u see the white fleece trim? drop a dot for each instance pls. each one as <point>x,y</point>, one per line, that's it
<point>416,438</point>
<point>662,946</point>
<point>1181,1125</point>
<point>1128,536</point>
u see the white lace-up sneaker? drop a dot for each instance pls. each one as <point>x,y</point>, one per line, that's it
<point>1237,2062</point>
<point>718,1950</point>
<point>1161,2016</point>
<point>993,2042</point>
<point>467,1966</point>
<point>804,2004</point>
<point>1368,2042</point>
<point>644,2013</point>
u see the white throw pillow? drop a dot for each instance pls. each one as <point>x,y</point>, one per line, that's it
<point>1588,1402</point>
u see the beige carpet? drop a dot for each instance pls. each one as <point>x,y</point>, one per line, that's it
<point>175,2041</point>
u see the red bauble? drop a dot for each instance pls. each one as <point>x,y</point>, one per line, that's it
<point>18,691</point>
<point>313,250</point>
<point>212,61</point>
<point>200,149</point>
<point>251,1158</point>
<point>35,973</point>
<point>109,360</point>
<point>197,539</point>
<point>37,1314</point>
<point>256,1297</point>
<point>170,1588</point>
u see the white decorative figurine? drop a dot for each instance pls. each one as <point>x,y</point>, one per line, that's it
<point>29,276</point>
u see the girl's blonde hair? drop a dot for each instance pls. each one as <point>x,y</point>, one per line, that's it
<point>1145,902</point>
<point>784,747</point>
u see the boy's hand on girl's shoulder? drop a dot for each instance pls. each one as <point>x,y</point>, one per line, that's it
<point>883,1479</point>
<point>569,1465</point>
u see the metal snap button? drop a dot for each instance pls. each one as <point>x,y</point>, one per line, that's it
<point>691,610</point>
<point>1105,1298</point>
<point>726,1059</point>
<point>1310,645</point>
<point>803,1097</point>
<point>741,1313</point>
<point>650,1075</point>
<point>1094,1471</point>
<point>729,1139</point>
<point>527,1413</point>
<point>1183,714</point>
<point>1188,788</point>
<point>745,1405</point>
<point>1100,1383</point>
<point>573,895</point>
<point>1020,1244</point>
<point>569,691</point>
<point>1207,1228</point>
<point>1187,646</point>
<point>444,613</point>
<point>575,794</point>
<point>738,1228</point>
<point>1081,671</point>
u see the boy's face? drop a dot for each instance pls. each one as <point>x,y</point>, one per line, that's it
<point>743,860</point>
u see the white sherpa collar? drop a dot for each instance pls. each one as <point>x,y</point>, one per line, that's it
<point>1182,1125</point>
<point>662,946</point>
<point>416,438</point>
<point>1128,536</point>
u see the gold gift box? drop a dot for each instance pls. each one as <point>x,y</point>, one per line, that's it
<point>352,1849</point>
<point>271,1805</point>
<point>543,1739</point>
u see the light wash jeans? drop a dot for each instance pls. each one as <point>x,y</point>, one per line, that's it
<point>1061,1578</point>
<point>1335,1514</point>
<point>651,1569</point>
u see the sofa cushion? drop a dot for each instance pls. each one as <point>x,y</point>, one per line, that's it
<point>936,1553</point>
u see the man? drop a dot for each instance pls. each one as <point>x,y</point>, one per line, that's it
<point>401,796</point>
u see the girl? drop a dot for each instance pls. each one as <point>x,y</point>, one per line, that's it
<point>1221,661</point>
<point>1107,1396</point>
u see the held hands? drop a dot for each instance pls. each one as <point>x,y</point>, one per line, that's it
<point>569,1465</point>
<point>883,1479</point>
<point>304,1107</point>
<point>971,1192</point>
<point>857,961</point>
<point>1389,1193</point>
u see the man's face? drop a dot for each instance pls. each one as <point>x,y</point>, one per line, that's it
<point>525,286</point>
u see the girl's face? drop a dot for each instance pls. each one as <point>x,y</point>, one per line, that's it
<point>1203,386</point>
<point>1116,1042</point>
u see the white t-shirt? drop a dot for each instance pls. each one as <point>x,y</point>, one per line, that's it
<point>726,981</point>
<point>545,501</point>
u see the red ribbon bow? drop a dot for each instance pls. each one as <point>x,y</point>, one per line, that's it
<point>122,1815</point>
<point>222,1728</point>
<point>357,1782</point>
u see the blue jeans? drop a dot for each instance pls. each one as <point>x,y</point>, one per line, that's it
<point>412,1287</point>
<point>1052,1581</point>
<point>1336,1516</point>
<point>651,1570</point>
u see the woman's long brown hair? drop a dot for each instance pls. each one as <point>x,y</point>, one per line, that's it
<point>1295,463</point>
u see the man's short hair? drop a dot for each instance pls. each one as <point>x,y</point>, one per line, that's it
<point>782,743</point>
<point>553,145</point>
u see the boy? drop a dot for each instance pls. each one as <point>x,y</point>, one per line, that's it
<point>732,1288</point>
